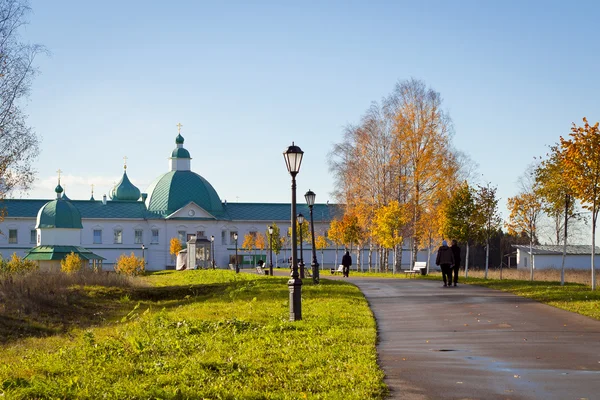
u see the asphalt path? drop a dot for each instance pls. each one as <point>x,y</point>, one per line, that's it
<point>469,342</point>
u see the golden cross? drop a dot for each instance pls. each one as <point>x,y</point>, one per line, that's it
<point>59,172</point>
<point>125,162</point>
<point>179,127</point>
<point>92,189</point>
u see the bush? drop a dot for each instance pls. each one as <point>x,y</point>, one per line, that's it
<point>71,264</point>
<point>16,265</point>
<point>130,265</point>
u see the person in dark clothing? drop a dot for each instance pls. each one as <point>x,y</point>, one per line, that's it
<point>456,253</point>
<point>346,262</point>
<point>445,259</point>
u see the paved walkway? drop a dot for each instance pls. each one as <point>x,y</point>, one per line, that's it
<point>470,342</point>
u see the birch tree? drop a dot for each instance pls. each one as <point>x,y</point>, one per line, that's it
<point>19,145</point>
<point>581,161</point>
<point>488,218</point>
<point>558,201</point>
<point>525,210</point>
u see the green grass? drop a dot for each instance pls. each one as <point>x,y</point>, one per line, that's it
<point>205,334</point>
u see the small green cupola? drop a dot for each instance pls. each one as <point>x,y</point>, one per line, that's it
<point>125,190</point>
<point>180,157</point>
<point>59,213</point>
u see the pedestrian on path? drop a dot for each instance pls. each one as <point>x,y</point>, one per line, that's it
<point>346,263</point>
<point>445,259</point>
<point>456,266</point>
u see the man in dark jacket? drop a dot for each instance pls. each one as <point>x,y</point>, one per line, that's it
<point>456,253</point>
<point>445,259</point>
<point>346,262</point>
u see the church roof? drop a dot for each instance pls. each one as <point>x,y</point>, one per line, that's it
<point>175,189</point>
<point>46,253</point>
<point>26,208</point>
<point>180,152</point>
<point>58,213</point>
<point>125,190</point>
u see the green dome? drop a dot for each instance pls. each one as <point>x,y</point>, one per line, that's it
<point>179,139</point>
<point>125,190</point>
<point>58,213</point>
<point>180,153</point>
<point>175,189</point>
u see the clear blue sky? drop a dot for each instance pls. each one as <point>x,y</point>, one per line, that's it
<point>246,80</point>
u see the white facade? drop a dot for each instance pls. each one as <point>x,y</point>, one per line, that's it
<point>550,257</point>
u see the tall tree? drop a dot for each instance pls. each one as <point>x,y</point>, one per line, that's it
<point>525,210</point>
<point>557,198</point>
<point>388,227</point>
<point>424,129</point>
<point>18,142</point>
<point>459,221</point>
<point>581,160</point>
<point>488,218</point>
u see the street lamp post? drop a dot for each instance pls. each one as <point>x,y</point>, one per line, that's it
<point>271,250</point>
<point>237,267</point>
<point>310,200</point>
<point>301,221</point>
<point>212,250</point>
<point>293,158</point>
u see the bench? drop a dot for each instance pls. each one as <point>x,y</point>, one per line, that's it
<point>418,267</point>
<point>232,267</point>
<point>340,269</point>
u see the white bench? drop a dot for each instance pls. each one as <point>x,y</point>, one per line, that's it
<point>416,269</point>
<point>232,267</point>
<point>339,269</point>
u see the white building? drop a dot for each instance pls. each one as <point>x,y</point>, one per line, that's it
<point>550,256</point>
<point>179,203</point>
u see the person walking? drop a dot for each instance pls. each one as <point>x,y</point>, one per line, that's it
<point>346,263</point>
<point>445,259</point>
<point>456,253</point>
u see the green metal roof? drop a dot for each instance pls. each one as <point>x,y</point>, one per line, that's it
<point>59,213</point>
<point>47,253</point>
<point>179,139</point>
<point>176,189</point>
<point>125,190</point>
<point>26,208</point>
<point>137,210</point>
<point>180,152</point>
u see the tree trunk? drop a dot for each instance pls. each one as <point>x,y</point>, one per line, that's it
<point>487,256</point>
<point>531,257</point>
<point>564,255</point>
<point>370,255</point>
<point>467,261</point>
<point>594,217</point>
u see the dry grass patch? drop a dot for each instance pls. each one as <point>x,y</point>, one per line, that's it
<point>43,303</point>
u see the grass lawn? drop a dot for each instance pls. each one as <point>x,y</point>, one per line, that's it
<point>201,334</point>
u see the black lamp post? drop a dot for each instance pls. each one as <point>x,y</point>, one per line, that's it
<point>212,250</point>
<point>237,267</point>
<point>293,158</point>
<point>143,256</point>
<point>310,200</point>
<point>301,221</point>
<point>271,250</point>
